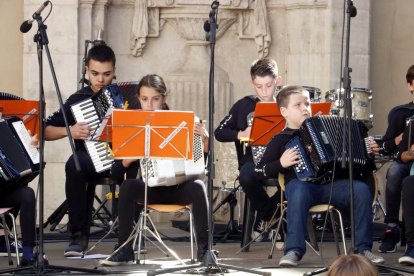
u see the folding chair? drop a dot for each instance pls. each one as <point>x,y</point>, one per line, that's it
<point>316,209</point>
<point>137,235</point>
<point>7,233</point>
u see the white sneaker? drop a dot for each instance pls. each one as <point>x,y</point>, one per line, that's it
<point>290,259</point>
<point>372,257</point>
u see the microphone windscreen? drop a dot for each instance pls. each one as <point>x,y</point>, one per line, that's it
<point>26,26</point>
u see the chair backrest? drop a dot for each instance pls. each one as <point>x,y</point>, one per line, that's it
<point>281,179</point>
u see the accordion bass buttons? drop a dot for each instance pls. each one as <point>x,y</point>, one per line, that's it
<point>301,166</point>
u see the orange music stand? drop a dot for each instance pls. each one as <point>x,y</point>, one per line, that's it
<point>27,111</point>
<point>171,134</point>
<point>267,121</point>
<point>161,134</point>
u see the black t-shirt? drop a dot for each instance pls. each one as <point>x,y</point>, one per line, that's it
<point>56,119</point>
<point>234,122</point>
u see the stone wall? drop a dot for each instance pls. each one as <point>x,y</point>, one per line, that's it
<point>167,37</point>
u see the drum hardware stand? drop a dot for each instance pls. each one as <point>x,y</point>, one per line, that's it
<point>56,217</point>
<point>209,264</point>
<point>377,206</point>
<point>232,228</point>
<point>41,265</point>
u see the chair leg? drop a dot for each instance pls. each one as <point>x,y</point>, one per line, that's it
<point>192,234</point>
<point>338,251</point>
<point>7,234</point>
<point>280,220</point>
<point>248,221</point>
<point>311,234</point>
<point>341,225</point>
<point>114,226</point>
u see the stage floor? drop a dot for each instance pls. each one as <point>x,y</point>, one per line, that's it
<point>256,258</point>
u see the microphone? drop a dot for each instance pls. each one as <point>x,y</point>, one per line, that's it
<point>212,18</point>
<point>99,39</point>
<point>27,25</point>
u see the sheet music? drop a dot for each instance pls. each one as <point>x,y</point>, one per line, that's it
<point>98,132</point>
<point>24,136</point>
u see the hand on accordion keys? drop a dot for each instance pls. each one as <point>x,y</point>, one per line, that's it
<point>200,129</point>
<point>290,157</point>
<point>373,146</point>
<point>244,137</point>
<point>80,131</point>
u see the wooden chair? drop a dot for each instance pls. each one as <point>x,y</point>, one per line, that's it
<point>316,209</point>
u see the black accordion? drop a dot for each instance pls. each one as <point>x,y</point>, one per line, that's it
<point>320,143</point>
<point>95,112</point>
<point>18,158</point>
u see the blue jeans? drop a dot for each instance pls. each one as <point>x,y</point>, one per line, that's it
<point>303,195</point>
<point>395,175</point>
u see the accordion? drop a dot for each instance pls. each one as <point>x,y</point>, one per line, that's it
<point>167,172</point>
<point>18,158</point>
<point>94,111</point>
<point>320,143</point>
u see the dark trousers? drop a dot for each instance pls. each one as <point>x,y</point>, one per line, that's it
<point>408,207</point>
<point>80,191</point>
<point>395,176</point>
<point>255,192</point>
<point>131,197</point>
<point>22,199</point>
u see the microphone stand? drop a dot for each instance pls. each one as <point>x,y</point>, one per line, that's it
<point>41,265</point>
<point>347,134</point>
<point>209,264</point>
<point>346,79</point>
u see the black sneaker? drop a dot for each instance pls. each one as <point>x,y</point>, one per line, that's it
<point>408,258</point>
<point>390,240</point>
<point>201,252</point>
<point>3,249</point>
<point>25,262</point>
<point>259,226</point>
<point>124,256</point>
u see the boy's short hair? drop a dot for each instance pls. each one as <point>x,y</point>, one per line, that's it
<point>410,74</point>
<point>264,67</point>
<point>101,53</point>
<point>282,98</point>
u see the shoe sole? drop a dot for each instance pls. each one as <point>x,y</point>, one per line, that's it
<point>287,264</point>
<point>110,263</point>
<point>389,251</point>
<point>378,261</point>
<point>12,254</point>
<point>406,260</point>
<point>73,254</point>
